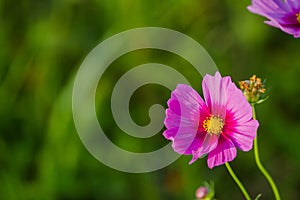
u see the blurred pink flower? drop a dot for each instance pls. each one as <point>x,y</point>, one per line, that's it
<point>214,127</point>
<point>284,15</point>
<point>201,192</point>
<point>205,192</point>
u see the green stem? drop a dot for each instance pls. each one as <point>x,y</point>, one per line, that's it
<point>261,167</point>
<point>237,181</point>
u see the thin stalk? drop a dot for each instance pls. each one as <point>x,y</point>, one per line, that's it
<point>261,167</point>
<point>238,182</point>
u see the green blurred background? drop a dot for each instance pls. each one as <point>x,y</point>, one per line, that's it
<point>42,46</point>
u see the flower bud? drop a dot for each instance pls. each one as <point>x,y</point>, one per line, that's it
<point>254,90</point>
<point>201,192</point>
<point>205,192</point>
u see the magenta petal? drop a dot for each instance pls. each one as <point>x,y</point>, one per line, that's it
<point>214,91</point>
<point>185,101</point>
<point>183,111</point>
<point>182,119</point>
<point>242,135</point>
<point>282,5</point>
<point>295,31</point>
<point>273,23</point>
<point>265,7</point>
<point>210,143</point>
<point>237,104</point>
<point>294,4</point>
<point>185,143</point>
<point>239,125</point>
<point>173,121</point>
<point>297,34</point>
<point>224,152</point>
<point>281,14</point>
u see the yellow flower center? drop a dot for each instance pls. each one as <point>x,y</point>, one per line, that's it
<point>298,17</point>
<point>213,125</point>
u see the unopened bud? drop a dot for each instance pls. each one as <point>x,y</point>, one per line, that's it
<point>205,192</point>
<point>254,90</point>
<point>201,192</point>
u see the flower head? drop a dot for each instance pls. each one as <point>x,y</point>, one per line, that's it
<point>205,192</point>
<point>215,126</point>
<point>284,15</point>
<point>201,192</point>
<point>254,90</point>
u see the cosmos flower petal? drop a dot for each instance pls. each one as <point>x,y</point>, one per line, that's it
<point>296,34</point>
<point>182,119</point>
<point>272,13</point>
<point>288,29</point>
<point>187,143</point>
<point>273,23</point>
<point>264,8</point>
<point>281,5</point>
<point>242,135</point>
<point>269,6</point>
<point>239,125</point>
<point>185,101</point>
<point>224,152</point>
<point>214,91</point>
<point>237,105</point>
<point>184,106</point>
<point>210,143</point>
<point>294,4</point>
<point>173,120</point>
<point>280,14</point>
<point>291,30</point>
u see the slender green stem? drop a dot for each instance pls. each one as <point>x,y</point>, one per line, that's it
<point>261,167</point>
<point>238,182</point>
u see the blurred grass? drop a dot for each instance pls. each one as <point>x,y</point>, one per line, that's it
<point>43,44</point>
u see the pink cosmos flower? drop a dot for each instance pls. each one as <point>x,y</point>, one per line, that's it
<point>284,15</point>
<point>201,192</point>
<point>214,127</point>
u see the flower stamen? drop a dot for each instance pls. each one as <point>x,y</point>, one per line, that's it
<point>298,17</point>
<point>213,125</point>
<point>253,89</point>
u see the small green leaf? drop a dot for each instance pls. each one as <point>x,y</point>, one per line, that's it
<point>257,197</point>
<point>262,100</point>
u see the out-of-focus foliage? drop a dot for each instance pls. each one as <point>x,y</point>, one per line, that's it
<point>42,46</point>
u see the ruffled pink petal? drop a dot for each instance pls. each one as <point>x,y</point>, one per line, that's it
<point>210,143</point>
<point>237,105</point>
<point>224,152</point>
<point>295,31</point>
<point>297,34</point>
<point>243,134</point>
<point>281,14</point>
<point>173,121</point>
<point>186,143</point>
<point>294,4</point>
<point>239,125</point>
<point>267,7</point>
<point>281,4</point>
<point>183,111</point>
<point>273,23</point>
<point>274,10</point>
<point>182,119</point>
<point>289,27</point>
<point>214,91</point>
